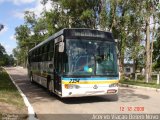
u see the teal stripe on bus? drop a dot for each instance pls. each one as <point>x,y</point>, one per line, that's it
<point>96,78</point>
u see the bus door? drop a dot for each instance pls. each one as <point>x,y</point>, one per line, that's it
<point>58,62</point>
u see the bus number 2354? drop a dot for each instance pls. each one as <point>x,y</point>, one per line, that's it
<point>74,80</point>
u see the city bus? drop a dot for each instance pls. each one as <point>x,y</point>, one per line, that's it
<point>76,62</point>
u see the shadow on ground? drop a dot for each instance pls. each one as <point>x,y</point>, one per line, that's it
<point>90,99</point>
<point>129,95</point>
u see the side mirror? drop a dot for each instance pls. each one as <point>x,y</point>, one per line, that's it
<point>61,47</point>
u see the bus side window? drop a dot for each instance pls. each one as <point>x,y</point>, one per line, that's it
<point>37,58</point>
<point>57,60</point>
<point>43,55</point>
<point>51,49</point>
<point>47,52</point>
<point>36,55</point>
<point>33,55</point>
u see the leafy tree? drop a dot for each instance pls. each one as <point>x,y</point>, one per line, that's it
<point>81,13</point>
<point>66,13</point>
<point>23,37</point>
<point>2,50</point>
<point>156,52</point>
<point>115,18</point>
<point>128,20</point>
<point>5,59</point>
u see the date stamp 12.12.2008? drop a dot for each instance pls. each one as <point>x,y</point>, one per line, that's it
<point>131,108</point>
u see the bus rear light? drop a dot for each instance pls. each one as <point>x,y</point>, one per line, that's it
<point>111,91</point>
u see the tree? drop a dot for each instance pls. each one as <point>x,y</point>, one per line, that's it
<point>5,59</point>
<point>23,37</point>
<point>156,52</point>
<point>128,20</point>
<point>64,15</point>
<point>1,27</point>
<point>151,8</point>
<point>115,17</point>
<point>81,13</point>
<point>2,50</point>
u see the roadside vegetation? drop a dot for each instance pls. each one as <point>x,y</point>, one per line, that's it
<point>5,59</point>
<point>141,82</point>
<point>11,101</point>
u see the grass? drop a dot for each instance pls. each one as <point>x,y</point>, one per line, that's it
<point>11,101</point>
<point>151,84</point>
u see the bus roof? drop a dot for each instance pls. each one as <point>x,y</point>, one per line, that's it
<point>69,30</point>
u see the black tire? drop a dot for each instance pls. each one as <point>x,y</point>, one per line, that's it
<point>49,84</point>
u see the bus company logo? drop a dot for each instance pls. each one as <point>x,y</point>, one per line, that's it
<point>95,86</point>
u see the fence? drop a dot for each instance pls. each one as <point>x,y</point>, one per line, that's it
<point>157,74</point>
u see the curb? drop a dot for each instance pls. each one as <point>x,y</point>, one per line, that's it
<point>31,113</point>
<point>140,87</point>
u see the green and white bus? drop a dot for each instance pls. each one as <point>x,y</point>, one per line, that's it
<point>76,62</point>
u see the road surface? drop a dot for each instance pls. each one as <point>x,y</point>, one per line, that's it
<point>49,106</point>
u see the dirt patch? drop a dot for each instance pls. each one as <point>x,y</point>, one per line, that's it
<point>8,110</point>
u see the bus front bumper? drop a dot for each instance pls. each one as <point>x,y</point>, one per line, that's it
<point>89,91</point>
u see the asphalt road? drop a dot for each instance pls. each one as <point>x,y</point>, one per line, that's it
<point>50,107</point>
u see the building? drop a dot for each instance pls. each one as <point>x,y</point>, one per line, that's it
<point>129,69</point>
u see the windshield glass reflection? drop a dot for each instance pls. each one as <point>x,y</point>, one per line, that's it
<point>91,57</point>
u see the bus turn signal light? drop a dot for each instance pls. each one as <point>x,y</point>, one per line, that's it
<point>71,86</point>
<point>66,86</point>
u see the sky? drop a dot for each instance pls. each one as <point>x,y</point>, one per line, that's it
<point>12,15</point>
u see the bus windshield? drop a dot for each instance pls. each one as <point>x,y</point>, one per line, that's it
<point>91,57</point>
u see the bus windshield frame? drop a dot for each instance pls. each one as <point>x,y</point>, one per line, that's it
<point>90,57</point>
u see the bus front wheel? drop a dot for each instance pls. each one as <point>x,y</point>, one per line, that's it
<point>49,84</point>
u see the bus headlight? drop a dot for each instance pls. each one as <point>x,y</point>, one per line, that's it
<point>71,86</point>
<point>113,85</point>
